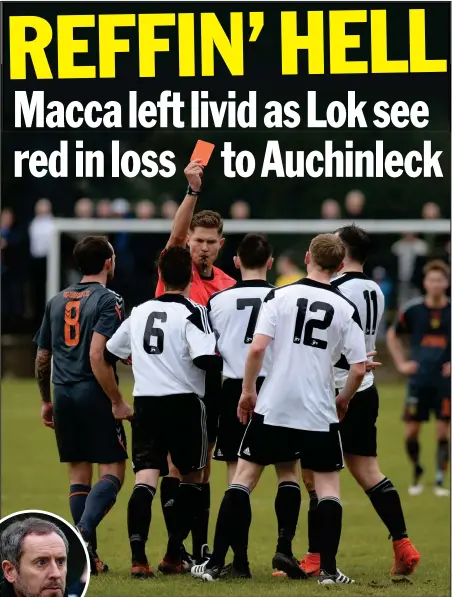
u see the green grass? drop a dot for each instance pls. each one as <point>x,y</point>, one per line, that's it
<point>32,477</point>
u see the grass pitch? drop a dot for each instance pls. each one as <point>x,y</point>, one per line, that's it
<point>32,478</point>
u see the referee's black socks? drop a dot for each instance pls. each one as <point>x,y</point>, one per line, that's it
<point>386,501</point>
<point>139,514</point>
<point>287,508</point>
<point>99,502</point>
<point>329,512</point>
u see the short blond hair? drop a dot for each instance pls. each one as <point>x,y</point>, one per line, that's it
<point>327,251</point>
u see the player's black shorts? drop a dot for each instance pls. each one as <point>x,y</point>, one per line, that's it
<point>230,430</point>
<point>359,426</point>
<point>169,424</point>
<point>422,400</point>
<point>319,451</point>
<point>211,404</point>
<point>85,428</point>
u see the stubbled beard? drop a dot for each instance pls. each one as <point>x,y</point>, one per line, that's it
<point>21,591</point>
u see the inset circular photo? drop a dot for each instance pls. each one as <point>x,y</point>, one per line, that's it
<point>41,555</point>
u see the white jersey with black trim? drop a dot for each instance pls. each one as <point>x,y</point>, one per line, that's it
<point>311,324</point>
<point>233,315</point>
<point>368,298</point>
<point>166,337</point>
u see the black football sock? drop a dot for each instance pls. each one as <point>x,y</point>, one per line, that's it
<point>169,488</point>
<point>99,502</point>
<point>186,508</point>
<point>329,511</point>
<point>200,527</point>
<point>139,514</point>
<point>442,461</point>
<point>77,500</point>
<point>413,449</point>
<point>287,508</point>
<point>232,529</point>
<point>313,530</point>
<point>386,501</point>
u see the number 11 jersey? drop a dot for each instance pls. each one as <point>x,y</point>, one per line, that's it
<point>368,298</point>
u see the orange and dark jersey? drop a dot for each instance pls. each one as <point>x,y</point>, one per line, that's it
<point>69,321</point>
<point>429,329</point>
<point>202,288</point>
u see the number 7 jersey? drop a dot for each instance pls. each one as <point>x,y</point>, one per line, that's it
<point>368,298</point>
<point>233,314</point>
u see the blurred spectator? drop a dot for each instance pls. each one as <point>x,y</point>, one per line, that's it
<point>84,208</point>
<point>144,209</point>
<point>288,269</point>
<point>12,288</point>
<point>120,207</point>
<point>354,204</point>
<point>240,210</point>
<point>440,250</point>
<point>330,210</point>
<point>380,276</point>
<point>40,233</point>
<point>407,249</point>
<point>104,209</point>
<point>169,208</point>
<point>431,211</point>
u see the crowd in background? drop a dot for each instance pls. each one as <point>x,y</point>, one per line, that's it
<point>396,263</point>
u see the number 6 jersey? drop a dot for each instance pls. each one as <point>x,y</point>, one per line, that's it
<point>311,324</point>
<point>368,298</point>
<point>171,344</point>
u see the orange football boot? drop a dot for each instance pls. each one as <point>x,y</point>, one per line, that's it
<point>311,564</point>
<point>141,570</point>
<point>406,557</point>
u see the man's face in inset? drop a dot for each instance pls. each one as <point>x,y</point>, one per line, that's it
<point>42,569</point>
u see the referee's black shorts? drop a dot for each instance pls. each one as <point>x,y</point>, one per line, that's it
<point>173,424</point>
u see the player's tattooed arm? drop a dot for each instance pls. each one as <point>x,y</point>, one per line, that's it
<point>42,373</point>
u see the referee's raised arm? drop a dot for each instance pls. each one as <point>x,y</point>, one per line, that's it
<point>184,214</point>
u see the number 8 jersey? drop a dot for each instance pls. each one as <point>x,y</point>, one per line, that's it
<point>171,344</point>
<point>368,298</point>
<point>311,324</point>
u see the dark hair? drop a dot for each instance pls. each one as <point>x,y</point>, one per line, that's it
<point>91,253</point>
<point>175,266</point>
<point>254,251</point>
<point>207,219</point>
<point>356,241</point>
<point>12,538</point>
<point>437,265</point>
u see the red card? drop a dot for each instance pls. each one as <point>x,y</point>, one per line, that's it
<point>203,150</point>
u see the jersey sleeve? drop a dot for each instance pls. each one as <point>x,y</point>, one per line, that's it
<point>354,343</point>
<point>199,335</point>
<point>109,315</point>
<point>119,344</point>
<point>266,322</point>
<point>43,337</point>
<point>402,323</point>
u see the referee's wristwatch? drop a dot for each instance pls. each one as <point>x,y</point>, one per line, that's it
<point>190,191</point>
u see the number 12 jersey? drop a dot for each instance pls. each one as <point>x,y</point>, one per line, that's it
<point>311,324</point>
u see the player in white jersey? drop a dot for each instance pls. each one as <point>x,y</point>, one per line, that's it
<point>172,348</point>
<point>359,426</point>
<point>233,314</point>
<point>295,417</point>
